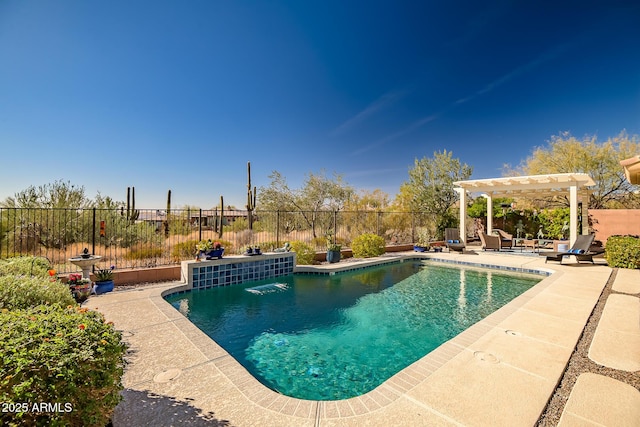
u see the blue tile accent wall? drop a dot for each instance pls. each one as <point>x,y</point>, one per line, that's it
<point>211,275</point>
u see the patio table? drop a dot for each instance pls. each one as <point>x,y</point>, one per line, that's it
<point>534,244</point>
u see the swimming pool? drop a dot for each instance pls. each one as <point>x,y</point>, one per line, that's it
<point>326,337</point>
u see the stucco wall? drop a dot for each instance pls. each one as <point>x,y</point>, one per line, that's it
<point>610,222</point>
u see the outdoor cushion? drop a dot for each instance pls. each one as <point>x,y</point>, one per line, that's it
<point>576,251</point>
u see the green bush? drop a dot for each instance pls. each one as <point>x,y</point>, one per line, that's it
<point>24,292</point>
<point>65,356</point>
<point>367,245</point>
<point>623,251</point>
<point>25,266</point>
<point>305,255</point>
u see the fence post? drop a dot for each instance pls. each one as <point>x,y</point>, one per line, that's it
<point>278,228</point>
<point>93,232</point>
<point>200,225</point>
<point>335,226</point>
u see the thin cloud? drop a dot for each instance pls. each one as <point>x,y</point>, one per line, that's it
<point>377,105</point>
<point>545,57</point>
<point>413,126</point>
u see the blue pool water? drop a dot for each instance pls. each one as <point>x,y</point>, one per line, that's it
<point>335,337</point>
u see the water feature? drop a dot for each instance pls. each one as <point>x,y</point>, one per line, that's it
<point>86,262</point>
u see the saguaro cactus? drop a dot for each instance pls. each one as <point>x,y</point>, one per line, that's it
<point>251,197</point>
<point>132,213</point>
<point>218,222</point>
<point>166,222</point>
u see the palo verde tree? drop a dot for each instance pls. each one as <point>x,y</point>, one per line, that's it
<point>318,193</point>
<point>600,160</point>
<point>430,187</point>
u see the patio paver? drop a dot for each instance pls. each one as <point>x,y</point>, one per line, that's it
<point>501,371</point>
<point>596,400</point>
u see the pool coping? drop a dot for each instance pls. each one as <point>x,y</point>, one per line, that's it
<point>422,386</point>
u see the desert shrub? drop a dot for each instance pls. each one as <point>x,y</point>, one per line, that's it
<point>184,250</point>
<point>623,251</point>
<point>239,224</point>
<point>25,266</point>
<point>24,292</point>
<point>305,255</point>
<point>144,252</point>
<point>68,356</point>
<point>244,238</point>
<point>367,245</point>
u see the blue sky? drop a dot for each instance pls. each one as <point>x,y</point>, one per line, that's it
<point>180,95</point>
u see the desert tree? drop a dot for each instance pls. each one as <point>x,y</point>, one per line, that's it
<point>430,188</point>
<point>318,194</point>
<point>565,153</point>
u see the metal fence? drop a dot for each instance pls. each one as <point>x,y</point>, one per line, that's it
<point>151,237</point>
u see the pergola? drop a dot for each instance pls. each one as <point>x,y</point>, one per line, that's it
<point>575,184</point>
<point>632,169</point>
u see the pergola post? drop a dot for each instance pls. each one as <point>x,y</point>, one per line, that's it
<point>463,214</point>
<point>489,197</point>
<point>573,213</point>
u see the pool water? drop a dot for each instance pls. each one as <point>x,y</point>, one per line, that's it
<point>324,337</point>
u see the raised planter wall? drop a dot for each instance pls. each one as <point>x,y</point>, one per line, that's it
<point>173,272</point>
<point>611,222</point>
<point>236,269</point>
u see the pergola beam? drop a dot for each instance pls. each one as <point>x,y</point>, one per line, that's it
<point>537,185</point>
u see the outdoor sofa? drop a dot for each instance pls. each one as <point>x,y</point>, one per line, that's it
<point>506,239</point>
<point>491,241</point>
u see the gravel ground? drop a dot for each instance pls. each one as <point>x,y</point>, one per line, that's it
<point>578,363</point>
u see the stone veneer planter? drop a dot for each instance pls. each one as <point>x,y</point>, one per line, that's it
<point>236,269</point>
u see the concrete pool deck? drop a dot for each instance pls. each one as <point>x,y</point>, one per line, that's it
<point>501,371</point>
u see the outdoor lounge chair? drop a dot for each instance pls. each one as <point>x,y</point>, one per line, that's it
<point>580,250</point>
<point>506,239</point>
<point>490,241</point>
<point>452,240</point>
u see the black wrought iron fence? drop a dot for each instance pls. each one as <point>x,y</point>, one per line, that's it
<point>153,237</point>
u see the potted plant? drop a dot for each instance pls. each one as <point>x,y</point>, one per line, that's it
<point>422,244</point>
<point>103,281</point>
<point>215,252</point>
<point>80,287</point>
<point>333,249</point>
<point>202,247</point>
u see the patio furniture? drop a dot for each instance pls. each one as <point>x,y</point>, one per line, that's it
<point>452,240</point>
<point>580,250</point>
<point>491,241</point>
<point>506,239</point>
